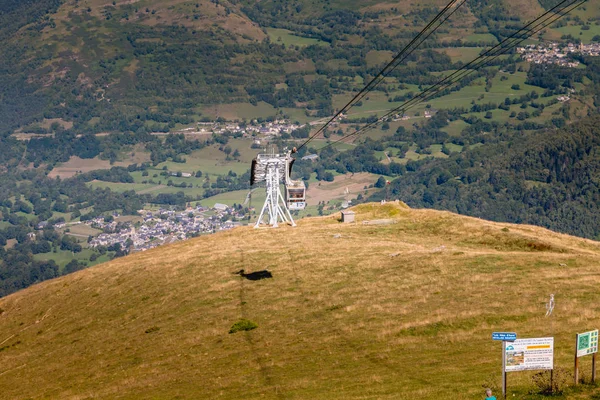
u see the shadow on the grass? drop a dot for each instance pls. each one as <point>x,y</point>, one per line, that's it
<point>255,276</point>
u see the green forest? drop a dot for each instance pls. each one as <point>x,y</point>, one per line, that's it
<point>549,178</point>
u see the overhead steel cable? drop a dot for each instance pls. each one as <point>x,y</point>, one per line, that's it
<point>395,111</point>
<point>397,60</point>
<point>494,52</point>
<point>405,53</point>
<point>391,66</point>
<point>406,105</point>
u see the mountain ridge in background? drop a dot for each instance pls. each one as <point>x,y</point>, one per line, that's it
<point>107,66</point>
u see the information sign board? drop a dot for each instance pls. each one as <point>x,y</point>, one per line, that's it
<point>506,336</point>
<point>587,343</point>
<point>529,354</point>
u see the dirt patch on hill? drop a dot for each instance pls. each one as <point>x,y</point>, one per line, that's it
<point>305,65</point>
<point>77,165</point>
<point>137,155</point>
<point>405,5</point>
<point>525,9</point>
<point>327,191</point>
<point>243,27</point>
<point>152,189</point>
<point>202,15</point>
<point>27,136</point>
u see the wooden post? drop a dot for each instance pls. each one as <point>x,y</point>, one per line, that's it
<point>504,370</point>
<point>552,381</point>
<point>576,373</point>
<point>594,367</point>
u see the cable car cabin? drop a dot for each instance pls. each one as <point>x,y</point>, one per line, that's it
<point>270,167</point>
<point>295,195</point>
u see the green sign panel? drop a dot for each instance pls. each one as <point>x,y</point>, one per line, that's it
<point>587,343</point>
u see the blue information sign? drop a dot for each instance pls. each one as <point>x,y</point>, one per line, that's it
<point>506,336</point>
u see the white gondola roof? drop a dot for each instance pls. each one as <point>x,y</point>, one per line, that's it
<point>295,184</point>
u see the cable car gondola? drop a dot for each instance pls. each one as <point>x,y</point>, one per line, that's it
<point>295,195</point>
<point>295,191</point>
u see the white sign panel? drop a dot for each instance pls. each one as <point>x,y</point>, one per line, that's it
<point>587,343</point>
<point>527,354</point>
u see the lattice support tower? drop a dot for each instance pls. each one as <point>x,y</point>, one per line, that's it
<point>273,170</point>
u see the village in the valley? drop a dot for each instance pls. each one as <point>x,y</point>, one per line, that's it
<point>255,128</point>
<point>162,226</point>
<point>555,53</point>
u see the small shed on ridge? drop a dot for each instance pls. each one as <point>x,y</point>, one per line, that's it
<point>348,216</point>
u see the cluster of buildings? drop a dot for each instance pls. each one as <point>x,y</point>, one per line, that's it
<point>553,53</point>
<point>166,226</point>
<point>252,129</point>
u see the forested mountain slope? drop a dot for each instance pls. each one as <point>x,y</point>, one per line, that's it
<point>150,65</point>
<point>551,178</point>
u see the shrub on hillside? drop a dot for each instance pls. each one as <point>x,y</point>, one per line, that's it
<point>243,325</point>
<point>557,385</point>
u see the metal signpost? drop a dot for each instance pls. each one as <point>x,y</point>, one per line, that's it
<point>586,343</point>
<point>524,354</point>
<point>504,337</point>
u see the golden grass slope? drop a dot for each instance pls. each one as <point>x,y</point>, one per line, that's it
<point>403,310</point>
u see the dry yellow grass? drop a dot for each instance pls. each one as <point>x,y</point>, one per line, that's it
<point>353,311</point>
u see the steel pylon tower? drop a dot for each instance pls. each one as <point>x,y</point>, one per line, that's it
<point>272,168</point>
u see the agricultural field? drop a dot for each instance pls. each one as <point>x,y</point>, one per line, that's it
<point>211,160</point>
<point>288,38</point>
<point>504,85</point>
<point>81,230</point>
<point>256,198</point>
<point>238,111</point>
<point>481,37</point>
<point>376,58</point>
<point>77,165</point>
<point>463,54</point>
<point>326,192</point>
<point>63,257</point>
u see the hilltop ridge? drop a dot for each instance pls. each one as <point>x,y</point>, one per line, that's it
<point>399,309</point>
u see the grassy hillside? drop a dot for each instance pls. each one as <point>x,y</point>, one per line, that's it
<point>397,311</point>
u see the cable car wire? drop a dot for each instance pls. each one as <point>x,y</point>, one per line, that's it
<point>487,57</point>
<point>391,66</point>
<point>421,98</point>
